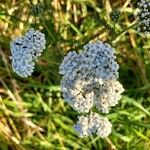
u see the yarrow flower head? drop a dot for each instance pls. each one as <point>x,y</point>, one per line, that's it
<point>144,16</point>
<point>93,123</point>
<point>90,79</point>
<point>87,76</point>
<point>25,51</point>
<point>97,60</point>
<point>78,92</point>
<point>108,95</point>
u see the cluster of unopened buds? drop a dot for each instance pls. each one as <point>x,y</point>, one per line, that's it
<point>90,80</point>
<point>25,51</point>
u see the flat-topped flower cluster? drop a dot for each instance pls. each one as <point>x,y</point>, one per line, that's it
<point>93,123</point>
<point>25,51</point>
<point>90,79</point>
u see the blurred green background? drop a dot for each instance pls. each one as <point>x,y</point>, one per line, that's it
<point>33,114</point>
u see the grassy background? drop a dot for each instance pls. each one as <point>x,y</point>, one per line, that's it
<point>33,114</point>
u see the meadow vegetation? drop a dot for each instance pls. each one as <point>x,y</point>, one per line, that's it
<point>33,114</point>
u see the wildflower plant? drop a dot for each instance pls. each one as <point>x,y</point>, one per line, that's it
<point>90,79</point>
<point>25,51</point>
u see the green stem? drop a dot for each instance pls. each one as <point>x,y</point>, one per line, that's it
<point>122,32</point>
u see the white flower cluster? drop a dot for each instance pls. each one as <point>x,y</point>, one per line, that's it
<point>93,123</point>
<point>144,16</point>
<point>78,92</point>
<point>25,51</point>
<point>108,95</point>
<point>90,78</point>
<point>97,60</point>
